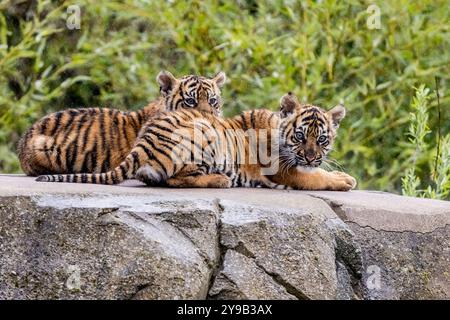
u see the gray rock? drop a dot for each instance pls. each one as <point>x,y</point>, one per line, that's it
<point>405,243</point>
<point>76,241</point>
<point>295,247</point>
<point>53,250</point>
<point>241,278</point>
<point>389,212</point>
<point>405,265</point>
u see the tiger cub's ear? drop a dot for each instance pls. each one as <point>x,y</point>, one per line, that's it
<point>336,115</point>
<point>220,79</point>
<point>166,81</point>
<point>288,103</point>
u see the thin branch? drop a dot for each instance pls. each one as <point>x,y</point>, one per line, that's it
<point>438,149</point>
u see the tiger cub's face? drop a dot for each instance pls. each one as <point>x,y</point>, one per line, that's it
<point>307,132</point>
<point>192,91</point>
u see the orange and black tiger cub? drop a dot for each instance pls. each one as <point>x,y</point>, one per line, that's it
<point>98,140</point>
<point>259,148</point>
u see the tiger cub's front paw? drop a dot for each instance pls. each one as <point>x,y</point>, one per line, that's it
<point>342,181</point>
<point>219,181</point>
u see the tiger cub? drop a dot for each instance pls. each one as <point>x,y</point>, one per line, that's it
<point>98,140</point>
<point>297,139</point>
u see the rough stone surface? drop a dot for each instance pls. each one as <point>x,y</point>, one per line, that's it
<point>405,243</point>
<point>295,247</point>
<point>76,241</point>
<point>51,249</point>
<point>241,278</point>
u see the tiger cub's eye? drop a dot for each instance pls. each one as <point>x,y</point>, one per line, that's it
<point>299,135</point>
<point>322,139</point>
<point>190,101</point>
<point>212,101</point>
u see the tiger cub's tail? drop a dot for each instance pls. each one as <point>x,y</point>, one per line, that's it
<point>117,175</point>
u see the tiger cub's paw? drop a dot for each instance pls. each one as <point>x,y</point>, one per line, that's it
<point>219,181</point>
<point>342,181</point>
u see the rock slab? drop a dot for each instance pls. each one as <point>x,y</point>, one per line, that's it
<point>73,241</point>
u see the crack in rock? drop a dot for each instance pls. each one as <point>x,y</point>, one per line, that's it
<point>241,248</point>
<point>220,249</point>
<point>340,212</point>
<point>278,279</point>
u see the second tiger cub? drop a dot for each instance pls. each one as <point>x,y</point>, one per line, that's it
<point>98,140</point>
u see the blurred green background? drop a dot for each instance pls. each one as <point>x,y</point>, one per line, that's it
<point>323,51</point>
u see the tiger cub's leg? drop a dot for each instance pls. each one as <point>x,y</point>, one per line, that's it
<point>193,176</point>
<point>317,179</point>
<point>214,180</point>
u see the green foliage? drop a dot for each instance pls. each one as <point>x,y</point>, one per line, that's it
<point>442,172</point>
<point>418,129</point>
<point>410,183</point>
<point>439,184</point>
<point>322,51</point>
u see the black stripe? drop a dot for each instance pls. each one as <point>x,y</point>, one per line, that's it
<point>167,140</point>
<point>312,118</point>
<point>146,150</point>
<point>152,145</point>
<point>136,160</point>
<point>111,140</point>
<point>135,125</point>
<point>73,112</point>
<point>155,158</point>
<point>57,123</point>
<point>177,105</point>
<point>117,133</point>
<point>107,162</point>
<point>162,128</point>
<point>191,85</point>
<point>67,151</point>
<point>114,177</point>
<point>139,116</point>
<point>207,85</point>
<point>44,124</point>
<point>244,123</point>
<point>177,120</point>
<point>72,157</point>
<point>84,153</point>
<point>309,110</point>
<point>252,118</point>
<point>168,120</point>
<point>124,125</point>
<point>123,170</point>
<point>103,137</point>
<point>58,158</point>
<point>94,158</point>
<point>84,166</point>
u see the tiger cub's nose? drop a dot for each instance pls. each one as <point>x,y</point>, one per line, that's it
<point>310,156</point>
